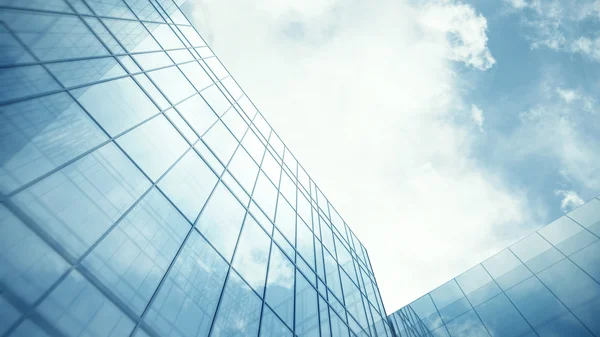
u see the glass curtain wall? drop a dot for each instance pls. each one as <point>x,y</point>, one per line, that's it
<point>143,194</point>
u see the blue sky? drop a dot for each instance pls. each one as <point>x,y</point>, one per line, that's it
<point>441,130</point>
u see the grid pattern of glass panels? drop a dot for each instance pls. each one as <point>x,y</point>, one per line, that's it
<point>143,194</point>
<point>547,284</point>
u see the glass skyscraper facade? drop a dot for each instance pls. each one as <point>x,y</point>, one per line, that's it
<point>546,285</point>
<point>143,194</point>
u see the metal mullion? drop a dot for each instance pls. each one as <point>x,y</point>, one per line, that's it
<point>544,284</point>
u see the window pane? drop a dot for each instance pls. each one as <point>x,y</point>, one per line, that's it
<point>86,71</point>
<point>216,100</point>
<point>244,169</point>
<point>502,318</point>
<point>166,77</point>
<point>132,35</point>
<point>196,75</point>
<point>588,259</point>
<point>77,308</point>
<point>535,302</point>
<point>280,286</point>
<point>307,315</point>
<point>149,61</point>
<point>134,256</point>
<point>271,326</point>
<point>154,146</point>
<point>116,105</point>
<point>239,312</point>
<point>467,325</point>
<point>253,145</point>
<point>186,303</point>
<point>41,134</point>
<point>252,255</point>
<point>265,195</point>
<point>28,266</point>
<point>79,203</point>
<point>221,220</point>
<point>588,215</point>
<point>51,36</point>
<point>235,123</point>
<point>144,10</point>
<point>189,184</point>
<point>24,81</point>
<point>197,113</point>
<point>221,141</point>
<point>114,8</point>
<point>164,35</point>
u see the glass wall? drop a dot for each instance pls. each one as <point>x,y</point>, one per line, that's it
<point>547,284</point>
<point>143,194</point>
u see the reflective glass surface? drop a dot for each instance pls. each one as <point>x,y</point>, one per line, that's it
<point>143,194</point>
<point>547,284</point>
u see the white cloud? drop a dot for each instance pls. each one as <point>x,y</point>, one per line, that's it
<point>567,95</point>
<point>570,200</point>
<point>364,94</point>
<point>557,25</point>
<point>477,115</point>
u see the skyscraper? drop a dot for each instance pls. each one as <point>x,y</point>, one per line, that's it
<point>143,194</point>
<point>547,284</point>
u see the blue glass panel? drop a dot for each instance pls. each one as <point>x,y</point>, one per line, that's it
<point>144,10</point>
<point>11,51</point>
<point>235,188</point>
<point>536,252</point>
<point>164,79</point>
<point>467,325</point>
<point>501,318</point>
<point>265,195</point>
<point>239,312</point>
<point>324,318</point>
<point>52,36</point>
<point>332,277</point>
<point>588,259</point>
<point>221,141</point>
<point>24,81</point>
<point>86,71</point>
<point>280,286</point>
<point>132,35</point>
<point>116,105</point>
<point>271,326</point>
<point>149,61</point>
<point>181,125</point>
<point>287,248</point>
<point>164,35</point>
<point>285,220</point>
<point>221,220</point>
<point>252,255</point>
<point>353,301</point>
<point>209,157</point>
<point>565,325</point>
<point>588,215</point>
<point>219,71</point>
<point>196,75</point>
<point>307,313</point>
<point>577,242</point>
<point>79,203</point>
<point>197,113</point>
<point>188,184</point>
<point>506,269</point>
<point>39,135</point>
<point>77,308</point>
<point>244,169</point>
<point>135,255</point>
<point>425,310</point>
<point>305,245</point>
<point>535,302</point>
<point>152,91</point>
<point>8,315</point>
<point>154,146</point>
<point>338,328</point>
<point>38,4</point>
<point>560,230</point>
<point>29,329</point>
<point>261,218</point>
<point>103,34</point>
<point>28,267</point>
<point>186,303</point>
<point>114,8</point>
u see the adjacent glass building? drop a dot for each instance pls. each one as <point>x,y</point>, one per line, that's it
<point>143,194</point>
<point>546,285</point>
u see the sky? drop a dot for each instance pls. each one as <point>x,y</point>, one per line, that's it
<point>441,130</point>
